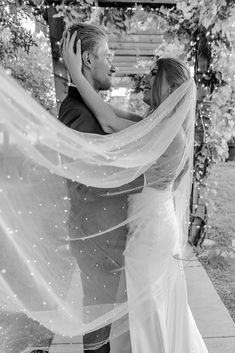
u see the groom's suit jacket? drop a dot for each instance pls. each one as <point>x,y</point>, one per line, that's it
<point>99,258</point>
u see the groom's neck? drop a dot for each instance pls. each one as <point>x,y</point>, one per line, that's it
<point>90,79</point>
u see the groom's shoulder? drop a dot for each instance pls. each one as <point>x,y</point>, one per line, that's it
<point>71,106</point>
<point>75,114</point>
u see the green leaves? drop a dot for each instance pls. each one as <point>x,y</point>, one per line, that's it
<point>34,72</point>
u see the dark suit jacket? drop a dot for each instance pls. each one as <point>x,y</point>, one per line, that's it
<point>98,257</point>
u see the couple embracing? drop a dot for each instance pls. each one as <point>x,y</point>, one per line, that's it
<point>128,221</point>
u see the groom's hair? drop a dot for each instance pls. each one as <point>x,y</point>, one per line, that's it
<point>89,34</point>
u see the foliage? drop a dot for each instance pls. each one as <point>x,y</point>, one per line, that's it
<point>206,28</point>
<point>126,20</point>
<point>132,99</point>
<point>223,127</point>
<point>120,20</point>
<point>34,72</point>
<point>136,104</point>
<point>12,34</point>
<point>26,56</point>
<point>79,10</point>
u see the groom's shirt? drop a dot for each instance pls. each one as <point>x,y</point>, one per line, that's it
<point>75,114</point>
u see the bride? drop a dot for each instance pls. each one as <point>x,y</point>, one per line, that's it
<point>39,276</point>
<point>159,317</point>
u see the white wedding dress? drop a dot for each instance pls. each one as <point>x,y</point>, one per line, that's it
<point>161,322</point>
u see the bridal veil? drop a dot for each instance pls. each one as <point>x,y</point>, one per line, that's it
<point>39,275</point>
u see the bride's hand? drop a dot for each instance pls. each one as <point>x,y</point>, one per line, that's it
<point>72,55</point>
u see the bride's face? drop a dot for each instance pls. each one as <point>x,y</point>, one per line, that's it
<point>160,88</point>
<point>148,81</point>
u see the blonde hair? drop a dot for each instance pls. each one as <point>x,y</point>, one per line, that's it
<point>89,34</point>
<point>176,73</point>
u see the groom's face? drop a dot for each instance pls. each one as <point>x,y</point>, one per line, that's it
<point>102,68</point>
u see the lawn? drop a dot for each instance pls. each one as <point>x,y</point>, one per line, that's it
<point>218,258</point>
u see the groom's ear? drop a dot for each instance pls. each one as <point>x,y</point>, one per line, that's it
<point>86,60</point>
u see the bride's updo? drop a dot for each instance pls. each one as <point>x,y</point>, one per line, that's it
<point>169,71</point>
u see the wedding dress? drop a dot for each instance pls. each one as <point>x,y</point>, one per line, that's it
<point>40,277</point>
<point>162,322</point>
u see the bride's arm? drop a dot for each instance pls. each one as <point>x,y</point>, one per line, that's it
<point>109,121</point>
<point>124,114</point>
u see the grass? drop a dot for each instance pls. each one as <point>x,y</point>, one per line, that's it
<point>219,259</point>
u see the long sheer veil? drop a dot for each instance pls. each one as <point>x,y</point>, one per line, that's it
<point>39,275</point>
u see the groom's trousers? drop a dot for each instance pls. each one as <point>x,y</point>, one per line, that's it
<point>103,349</point>
<point>93,337</point>
<point>100,258</point>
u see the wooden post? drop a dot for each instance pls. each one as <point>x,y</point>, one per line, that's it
<point>198,202</point>
<point>56,28</point>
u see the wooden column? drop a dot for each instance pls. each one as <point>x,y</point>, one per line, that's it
<point>56,28</point>
<point>197,230</point>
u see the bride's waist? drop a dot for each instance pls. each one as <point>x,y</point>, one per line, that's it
<point>151,198</point>
<point>156,193</point>
<point>152,205</point>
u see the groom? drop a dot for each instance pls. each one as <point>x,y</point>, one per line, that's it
<point>100,258</point>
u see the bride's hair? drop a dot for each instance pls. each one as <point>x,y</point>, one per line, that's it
<point>176,73</point>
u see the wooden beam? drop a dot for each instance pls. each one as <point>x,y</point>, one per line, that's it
<point>123,66</point>
<point>119,60</point>
<point>130,70</point>
<point>143,37</point>
<point>111,3</point>
<point>133,52</point>
<point>133,46</point>
<point>151,3</point>
<point>156,2</point>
